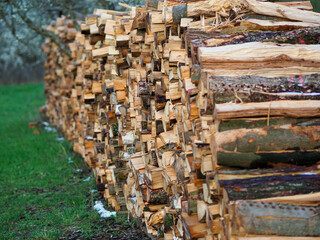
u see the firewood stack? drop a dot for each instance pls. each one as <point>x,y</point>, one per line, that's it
<point>200,118</point>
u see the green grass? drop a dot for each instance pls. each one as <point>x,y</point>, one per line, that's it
<point>41,194</point>
<point>316,5</point>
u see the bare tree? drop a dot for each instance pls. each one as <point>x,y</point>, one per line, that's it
<point>22,33</point>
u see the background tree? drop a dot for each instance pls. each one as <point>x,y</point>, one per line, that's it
<point>21,21</point>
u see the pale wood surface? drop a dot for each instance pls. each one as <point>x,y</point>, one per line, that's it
<point>277,10</point>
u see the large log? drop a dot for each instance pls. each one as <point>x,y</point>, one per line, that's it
<point>252,173</point>
<point>227,175</point>
<point>211,8</point>
<point>299,109</point>
<point>285,34</point>
<point>295,143</point>
<point>269,186</point>
<point>267,160</point>
<point>258,122</point>
<point>261,56</point>
<point>237,33</point>
<point>260,89</point>
<point>277,10</point>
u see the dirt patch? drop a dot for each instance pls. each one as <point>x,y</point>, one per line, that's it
<point>110,228</point>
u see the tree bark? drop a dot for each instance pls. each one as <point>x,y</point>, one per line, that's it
<point>267,160</point>
<point>269,186</point>
<point>294,144</point>
<point>262,89</point>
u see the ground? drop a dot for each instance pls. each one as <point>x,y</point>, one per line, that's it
<point>43,194</point>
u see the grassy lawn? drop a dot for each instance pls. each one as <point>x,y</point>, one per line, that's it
<point>42,196</point>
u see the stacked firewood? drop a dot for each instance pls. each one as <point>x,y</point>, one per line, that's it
<point>200,118</point>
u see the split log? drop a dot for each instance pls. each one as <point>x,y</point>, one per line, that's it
<point>277,10</point>
<point>308,108</point>
<point>299,199</point>
<point>261,56</point>
<point>303,5</point>
<point>269,25</point>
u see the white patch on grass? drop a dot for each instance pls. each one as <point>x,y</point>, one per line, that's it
<point>61,139</point>
<point>87,179</point>
<point>69,160</point>
<point>78,170</point>
<point>50,129</point>
<point>102,211</point>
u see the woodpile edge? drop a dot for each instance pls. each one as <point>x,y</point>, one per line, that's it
<point>202,118</point>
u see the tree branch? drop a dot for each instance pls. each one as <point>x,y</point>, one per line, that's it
<point>44,32</point>
<point>16,37</point>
